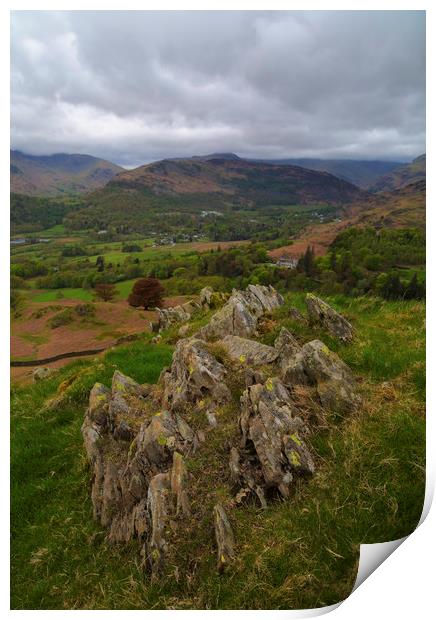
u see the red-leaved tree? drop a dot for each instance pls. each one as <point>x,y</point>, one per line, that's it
<point>106,292</point>
<point>146,293</point>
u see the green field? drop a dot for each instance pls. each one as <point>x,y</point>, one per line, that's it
<point>79,294</point>
<point>368,488</point>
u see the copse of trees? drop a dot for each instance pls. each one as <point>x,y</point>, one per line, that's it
<point>131,247</point>
<point>73,250</point>
<point>146,293</point>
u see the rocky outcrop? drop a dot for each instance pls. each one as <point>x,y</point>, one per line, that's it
<point>176,314</point>
<point>335,384</point>
<point>240,315</point>
<point>272,429</point>
<point>321,313</point>
<point>210,299</point>
<point>139,477</point>
<point>250,352</point>
<point>194,375</point>
<point>142,441</point>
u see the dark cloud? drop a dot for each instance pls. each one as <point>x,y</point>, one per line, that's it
<point>138,86</point>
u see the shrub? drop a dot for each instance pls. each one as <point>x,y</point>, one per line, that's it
<point>106,292</point>
<point>67,316</point>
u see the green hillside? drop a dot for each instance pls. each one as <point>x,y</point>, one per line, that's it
<point>303,552</point>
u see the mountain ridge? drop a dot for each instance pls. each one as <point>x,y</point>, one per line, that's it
<point>58,174</point>
<point>402,176</point>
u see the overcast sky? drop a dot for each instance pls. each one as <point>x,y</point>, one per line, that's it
<point>133,87</point>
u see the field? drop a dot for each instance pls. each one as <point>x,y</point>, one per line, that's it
<point>369,485</point>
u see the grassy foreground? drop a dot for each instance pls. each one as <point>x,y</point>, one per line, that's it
<point>369,486</point>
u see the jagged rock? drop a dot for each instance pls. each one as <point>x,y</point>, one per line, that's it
<point>290,359</point>
<point>99,398</point>
<point>239,316</point>
<point>246,475</point>
<point>158,510</point>
<point>178,485</point>
<point>194,373</point>
<point>176,314</point>
<point>206,296</point>
<point>224,538</point>
<point>293,371</point>
<point>268,419</point>
<point>157,440</point>
<point>285,341</point>
<point>320,312</point>
<point>123,431</point>
<point>41,373</point>
<point>336,386</point>
<point>253,376</point>
<point>94,428</point>
<point>124,391</point>
<point>122,384</point>
<point>248,351</point>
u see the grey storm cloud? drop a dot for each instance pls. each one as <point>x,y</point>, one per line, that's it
<point>134,86</point>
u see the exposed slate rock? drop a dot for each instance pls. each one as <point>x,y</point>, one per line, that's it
<point>321,313</point>
<point>194,373</point>
<point>224,538</point>
<point>248,351</point>
<point>239,316</point>
<point>268,420</point>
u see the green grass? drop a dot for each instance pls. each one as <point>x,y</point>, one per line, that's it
<point>368,487</point>
<point>80,294</point>
<point>124,288</point>
<point>36,339</point>
<point>55,231</point>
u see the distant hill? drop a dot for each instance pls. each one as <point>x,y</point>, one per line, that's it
<point>153,195</point>
<point>60,174</point>
<point>236,180</point>
<point>359,172</point>
<point>402,176</point>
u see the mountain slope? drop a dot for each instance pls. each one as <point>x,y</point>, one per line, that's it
<point>168,194</point>
<point>56,175</point>
<point>359,172</point>
<point>403,208</point>
<point>402,176</point>
<point>237,181</point>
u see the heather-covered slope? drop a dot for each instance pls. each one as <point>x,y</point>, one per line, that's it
<point>402,176</point>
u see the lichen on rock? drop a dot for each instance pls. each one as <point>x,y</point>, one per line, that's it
<point>321,313</point>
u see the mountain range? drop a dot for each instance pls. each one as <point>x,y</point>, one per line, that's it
<point>60,174</point>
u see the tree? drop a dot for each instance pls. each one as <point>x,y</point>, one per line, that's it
<point>393,288</point>
<point>106,292</point>
<point>146,293</point>
<point>414,290</point>
<point>99,263</point>
<point>307,262</point>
